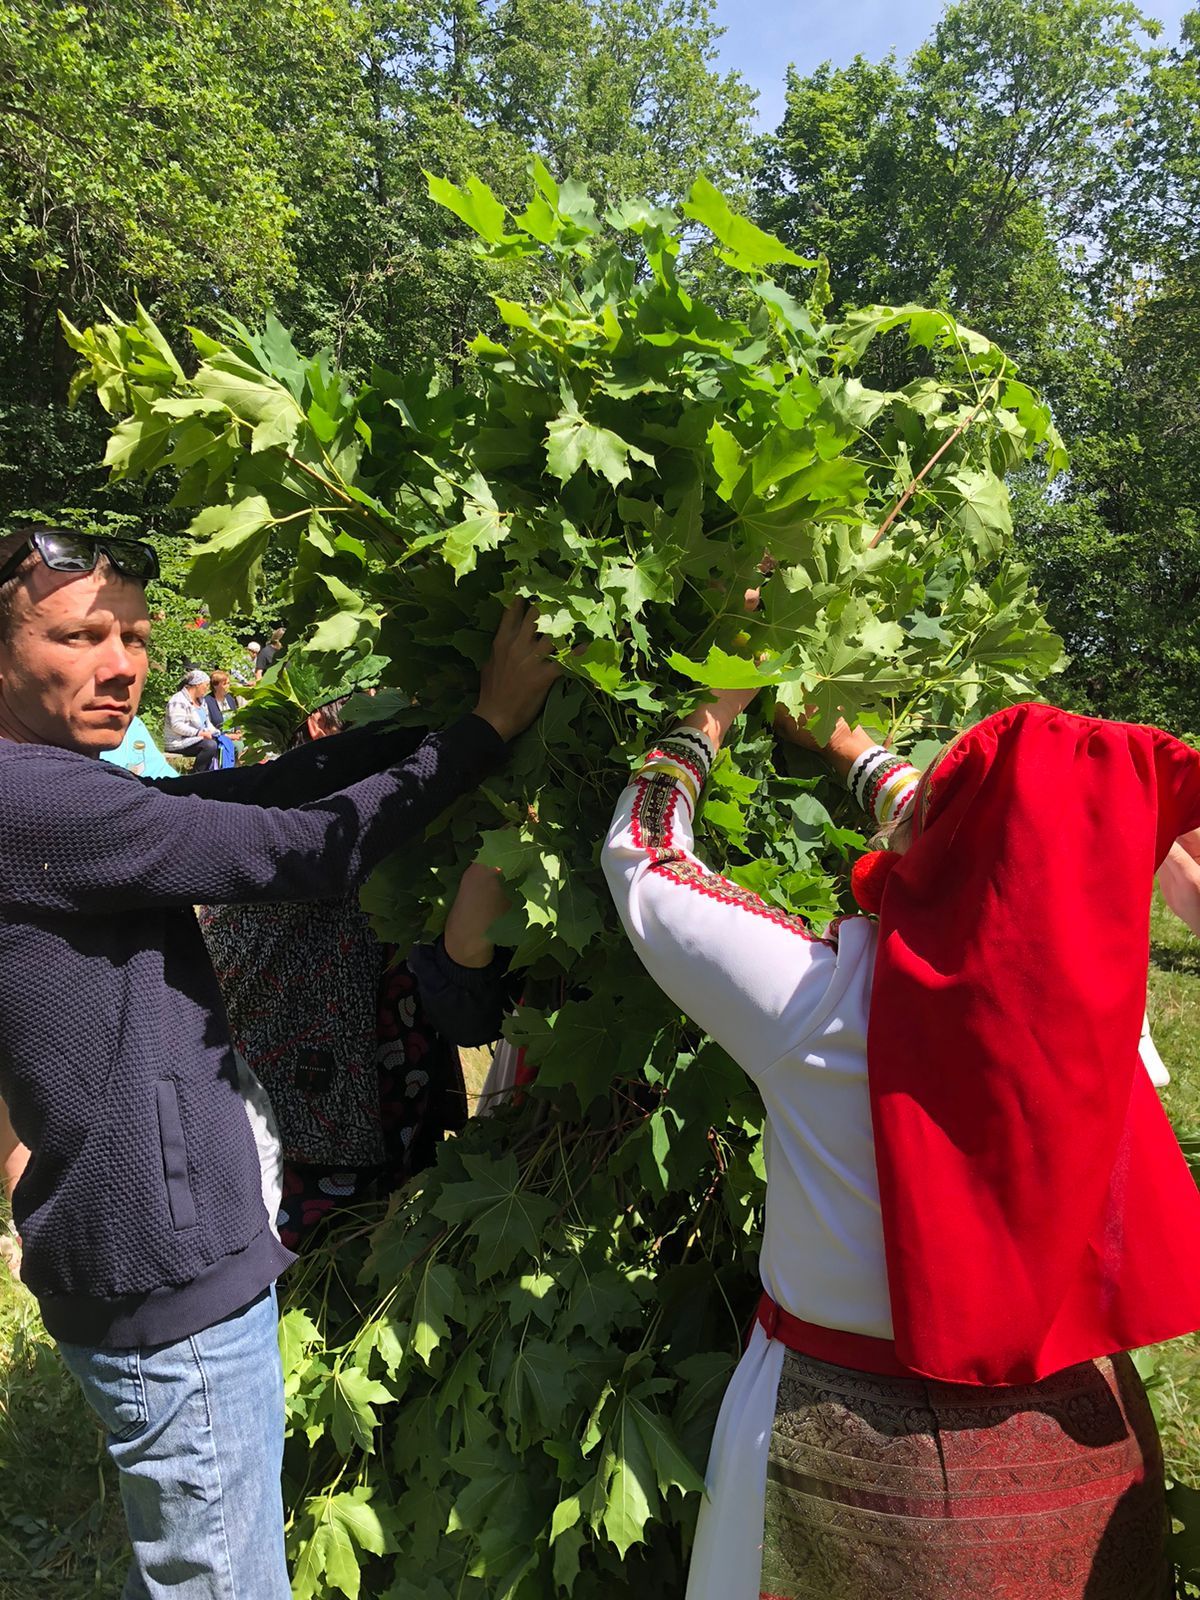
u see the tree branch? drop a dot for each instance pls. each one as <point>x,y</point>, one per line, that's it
<point>934,459</point>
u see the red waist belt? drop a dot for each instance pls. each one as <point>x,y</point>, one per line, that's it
<point>858,1351</point>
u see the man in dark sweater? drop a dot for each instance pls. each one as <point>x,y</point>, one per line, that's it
<point>146,1238</point>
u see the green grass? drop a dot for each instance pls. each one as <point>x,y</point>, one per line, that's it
<point>61,1534</point>
<point>1175,1023</point>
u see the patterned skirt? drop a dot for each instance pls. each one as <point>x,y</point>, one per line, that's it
<point>902,1489</point>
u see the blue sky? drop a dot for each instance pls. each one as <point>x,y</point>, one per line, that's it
<point>763,36</point>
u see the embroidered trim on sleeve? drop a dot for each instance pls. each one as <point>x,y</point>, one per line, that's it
<point>653,812</point>
<point>682,756</point>
<point>652,831</point>
<point>674,864</point>
<point>673,769</point>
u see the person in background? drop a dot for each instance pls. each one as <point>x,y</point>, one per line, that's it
<point>243,671</point>
<point>269,654</point>
<point>363,1087</point>
<point>220,703</point>
<point>144,1206</point>
<point>1179,881</point>
<point>220,700</point>
<point>138,753</point>
<point>975,1205</point>
<point>187,727</point>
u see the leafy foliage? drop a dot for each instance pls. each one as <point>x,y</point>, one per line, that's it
<point>518,1390</point>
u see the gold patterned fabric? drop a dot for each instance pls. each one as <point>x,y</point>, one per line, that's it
<point>902,1489</point>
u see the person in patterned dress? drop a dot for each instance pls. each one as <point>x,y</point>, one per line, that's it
<point>330,1021</point>
<point>975,1205</point>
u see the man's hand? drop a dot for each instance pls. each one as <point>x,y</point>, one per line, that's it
<point>519,673</point>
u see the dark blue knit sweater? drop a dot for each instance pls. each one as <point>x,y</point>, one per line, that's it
<point>140,1210</point>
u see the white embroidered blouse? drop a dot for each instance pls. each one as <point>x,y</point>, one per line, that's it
<point>792,1010</point>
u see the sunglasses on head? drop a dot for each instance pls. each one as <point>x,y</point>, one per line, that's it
<point>79,552</point>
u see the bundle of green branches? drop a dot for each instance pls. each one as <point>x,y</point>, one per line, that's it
<point>505,1387</point>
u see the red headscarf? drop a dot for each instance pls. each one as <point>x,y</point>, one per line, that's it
<point>1037,1211</point>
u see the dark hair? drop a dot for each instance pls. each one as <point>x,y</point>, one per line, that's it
<point>10,543</point>
<point>330,717</point>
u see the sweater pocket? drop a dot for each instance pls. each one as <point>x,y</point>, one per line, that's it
<point>174,1154</point>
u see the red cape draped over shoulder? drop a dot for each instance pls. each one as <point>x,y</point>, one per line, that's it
<point>1037,1210</point>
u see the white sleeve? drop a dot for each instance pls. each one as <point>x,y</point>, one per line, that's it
<point>1151,1060</point>
<point>750,975</point>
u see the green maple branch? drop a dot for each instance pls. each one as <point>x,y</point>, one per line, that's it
<point>934,459</point>
<point>945,673</point>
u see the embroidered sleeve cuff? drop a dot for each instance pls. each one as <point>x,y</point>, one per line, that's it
<point>687,755</point>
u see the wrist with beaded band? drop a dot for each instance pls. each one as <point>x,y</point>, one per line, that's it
<point>693,744</point>
<point>878,780</point>
<point>897,795</point>
<point>883,784</point>
<point>860,774</point>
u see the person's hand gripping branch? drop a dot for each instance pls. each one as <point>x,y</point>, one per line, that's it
<point>721,707</point>
<point>519,673</point>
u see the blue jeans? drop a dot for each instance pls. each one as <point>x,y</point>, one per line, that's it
<point>196,1431</point>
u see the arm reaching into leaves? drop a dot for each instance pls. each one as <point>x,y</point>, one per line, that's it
<point>845,745</point>
<point>1179,880</point>
<point>481,900</point>
<point>751,975</point>
<point>463,979</point>
<point>513,687</point>
<point>883,784</point>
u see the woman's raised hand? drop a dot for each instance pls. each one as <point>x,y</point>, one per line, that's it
<point>519,673</point>
<point>845,744</point>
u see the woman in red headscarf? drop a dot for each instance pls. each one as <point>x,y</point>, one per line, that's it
<point>975,1204</point>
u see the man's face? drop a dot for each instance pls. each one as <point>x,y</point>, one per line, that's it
<point>74,662</point>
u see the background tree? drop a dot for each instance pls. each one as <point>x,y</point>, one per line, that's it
<point>1120,556</point>
<point>144,146</point>
<point>624,97</point>
<point>974,175</point>
<point>229,158</point>
<point>1034,168</point>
